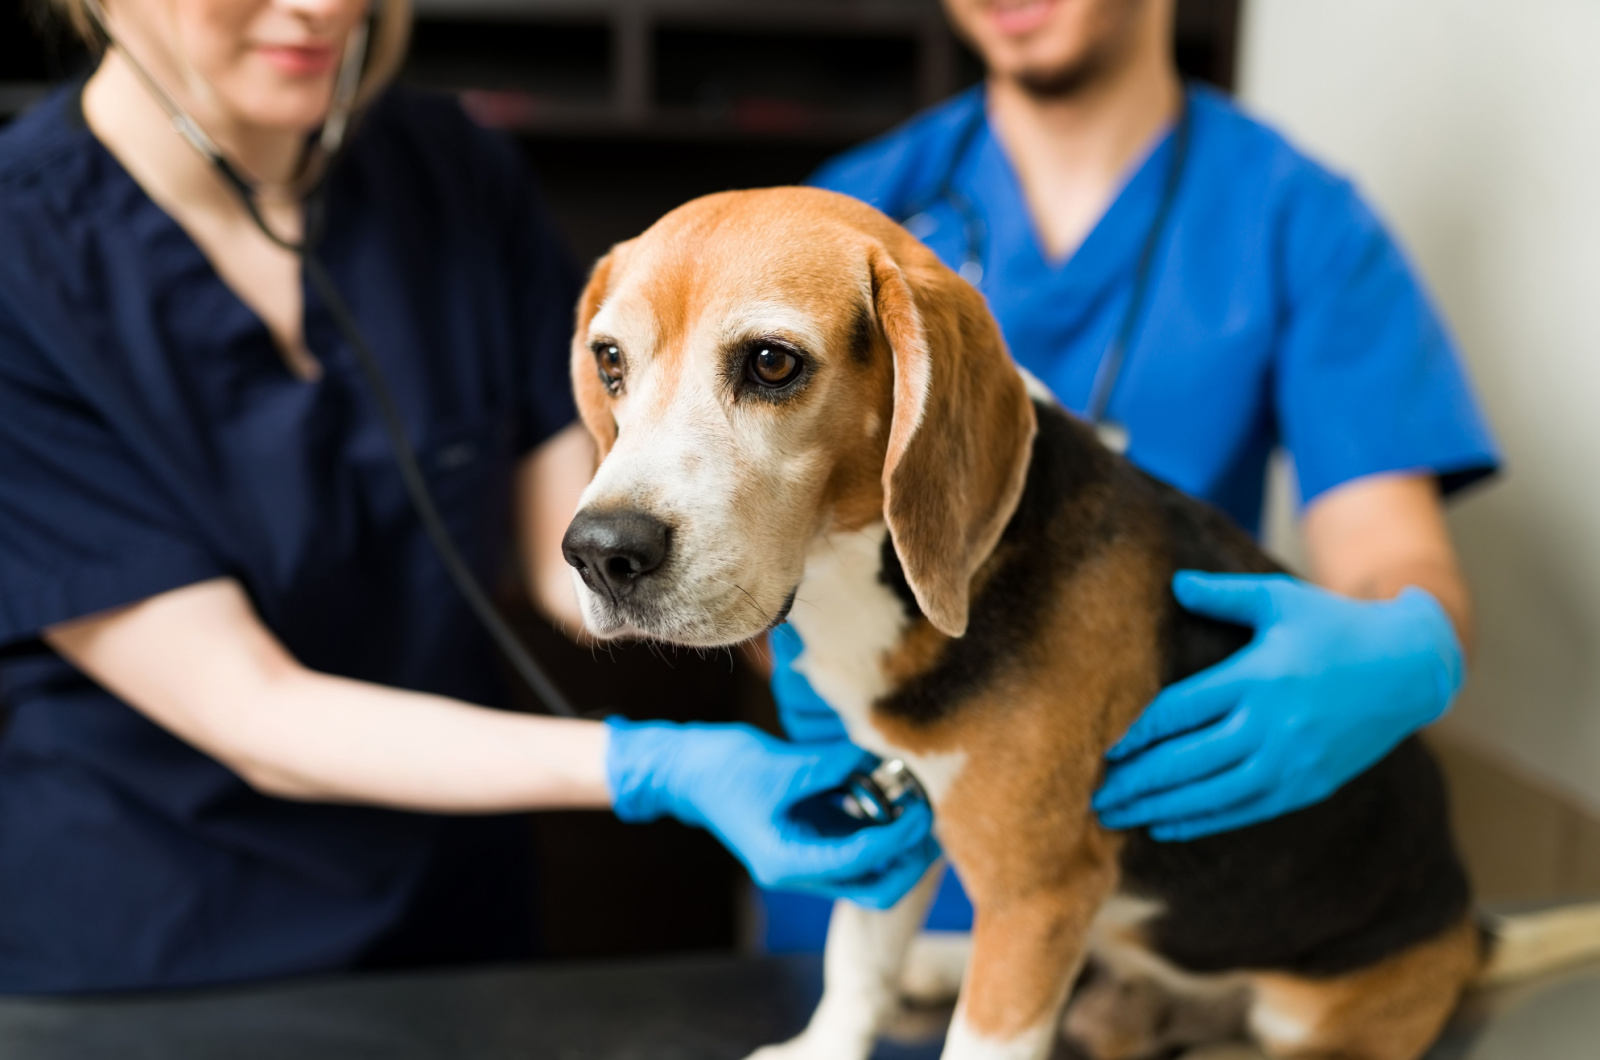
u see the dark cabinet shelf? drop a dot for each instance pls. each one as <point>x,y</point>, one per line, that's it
<point>664,69</point>
<point>807,70</point>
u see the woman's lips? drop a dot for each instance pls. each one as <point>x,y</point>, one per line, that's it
<point>299,60</point>
<point>1017,18</point>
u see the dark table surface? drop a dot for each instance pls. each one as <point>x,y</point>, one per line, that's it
<point>705,1008</point>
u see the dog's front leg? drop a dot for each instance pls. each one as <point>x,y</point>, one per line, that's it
<point>1026,951</point>
<point>861,974</point>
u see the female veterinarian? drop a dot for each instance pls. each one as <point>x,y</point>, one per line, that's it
<point>251,728</point>
<point>1178,274</point>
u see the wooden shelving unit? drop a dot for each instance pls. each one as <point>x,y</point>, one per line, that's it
<point>801,70</point>
<point>817,69</point>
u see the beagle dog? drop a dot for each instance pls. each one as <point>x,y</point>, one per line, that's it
<point>803,414</point>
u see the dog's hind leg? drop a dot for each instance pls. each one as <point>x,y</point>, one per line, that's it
<point>1133,1004</point>
<point>1119,1014</point>
<point>1392,1010</point>
<point>861,976</point>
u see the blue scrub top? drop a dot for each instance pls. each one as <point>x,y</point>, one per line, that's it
<point>1279,313</point>
<point>151,437</point>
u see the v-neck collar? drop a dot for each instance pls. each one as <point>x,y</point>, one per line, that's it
<point>1112,244</point>
<point>184,265</point>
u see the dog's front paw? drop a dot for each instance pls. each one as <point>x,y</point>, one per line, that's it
<point>812,1045</point>
<point>794,1049</point>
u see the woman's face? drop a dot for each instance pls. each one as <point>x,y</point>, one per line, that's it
<point>265,63</point>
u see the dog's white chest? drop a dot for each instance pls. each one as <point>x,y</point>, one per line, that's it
<point>850,620</point>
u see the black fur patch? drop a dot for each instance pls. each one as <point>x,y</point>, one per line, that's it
<point>1319,892</point>
<point>861,335</point>
<point>891,574</point>
<point>1201,538</point>
<point>1068,473</point>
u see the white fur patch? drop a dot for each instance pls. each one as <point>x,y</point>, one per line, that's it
<point>1036,388</point>
<point>935,966</point>
<point>1126,960</point>
<point>849,621</point>
<point>861,970</point>
<point>1277,1029</point>
<point>964,1043</point>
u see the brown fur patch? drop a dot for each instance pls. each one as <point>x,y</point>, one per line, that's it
<point>1390,1011</point>
<point>594,403</point>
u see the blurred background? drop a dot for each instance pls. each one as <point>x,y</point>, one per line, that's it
<point>1469,123</point>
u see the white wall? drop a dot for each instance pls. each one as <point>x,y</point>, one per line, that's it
<point>1474,126</point>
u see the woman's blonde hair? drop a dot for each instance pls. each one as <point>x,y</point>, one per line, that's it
<point>391,32</point>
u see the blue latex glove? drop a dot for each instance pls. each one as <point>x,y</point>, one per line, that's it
<point>1328,686</point>
<point>739,783</point>
<point>805,716</point>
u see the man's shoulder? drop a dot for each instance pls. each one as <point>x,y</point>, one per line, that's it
<point>1257,164</point>
<point>890,170</point>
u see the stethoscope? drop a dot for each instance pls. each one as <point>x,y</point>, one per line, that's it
<point>309,188</point>
<point>974,251</point>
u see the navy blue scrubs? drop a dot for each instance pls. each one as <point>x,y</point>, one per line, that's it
<point>1280,313</point>
<point>151,437</point>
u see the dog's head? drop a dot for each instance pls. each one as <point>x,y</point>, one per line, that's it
<point>761,367</point>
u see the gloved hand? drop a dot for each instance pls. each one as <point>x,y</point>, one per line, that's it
<point>1328,686</point>
<point>805,716</point>
<point>740,783</point>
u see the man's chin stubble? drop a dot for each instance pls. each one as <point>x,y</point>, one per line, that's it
<point>1064,82</point>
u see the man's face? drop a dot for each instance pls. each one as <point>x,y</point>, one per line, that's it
<point>1050,47</point>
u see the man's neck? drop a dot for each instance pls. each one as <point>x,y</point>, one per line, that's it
<point>1072,152</point>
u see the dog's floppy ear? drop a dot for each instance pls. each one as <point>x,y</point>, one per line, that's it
<point>594,404</point>
<point>961,433</point>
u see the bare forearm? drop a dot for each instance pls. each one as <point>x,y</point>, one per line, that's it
<point>1442,580</point>
<point>315,737</point>
<point>1374,537</point>
<point>198,662</point>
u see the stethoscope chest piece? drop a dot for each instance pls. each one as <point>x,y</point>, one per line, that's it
<point>866,799</point>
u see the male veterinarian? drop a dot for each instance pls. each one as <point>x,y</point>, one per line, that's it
<point>1177,273</point>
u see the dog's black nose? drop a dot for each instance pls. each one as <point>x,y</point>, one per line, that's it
<point>612,550</point>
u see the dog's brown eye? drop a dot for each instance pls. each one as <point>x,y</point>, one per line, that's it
<point>772,365</point>
<point>608,358</point>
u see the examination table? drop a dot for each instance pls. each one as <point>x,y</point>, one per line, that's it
<point>688,1008</point>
